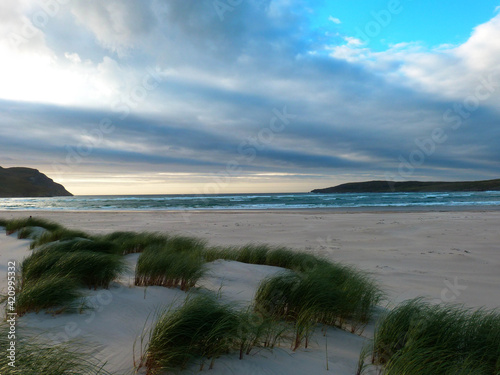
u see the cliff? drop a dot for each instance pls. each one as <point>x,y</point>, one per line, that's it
<point>27,182</point>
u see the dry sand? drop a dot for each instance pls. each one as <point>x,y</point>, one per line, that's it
<point>445,256</point>
<point>410,253</point>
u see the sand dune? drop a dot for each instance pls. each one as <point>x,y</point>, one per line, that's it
<point>410,253</point>
<point>445,256</point>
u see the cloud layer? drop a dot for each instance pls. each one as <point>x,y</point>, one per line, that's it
<point>171,96</point>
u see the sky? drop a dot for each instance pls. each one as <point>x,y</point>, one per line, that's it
<point>238,96</point>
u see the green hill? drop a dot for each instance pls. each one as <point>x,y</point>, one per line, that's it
<point>411,186</point>
<point>27,182</point>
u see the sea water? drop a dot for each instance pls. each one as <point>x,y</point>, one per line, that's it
<point>255,201</point>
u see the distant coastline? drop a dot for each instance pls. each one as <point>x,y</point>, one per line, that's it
<point>411,187</point>
<point>20,182</point>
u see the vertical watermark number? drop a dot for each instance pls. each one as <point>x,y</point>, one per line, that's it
<point>11,313</point>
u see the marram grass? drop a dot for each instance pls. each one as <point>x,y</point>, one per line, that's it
<point>90,269</point>
<point>420,338</point>
<point>266,255</point>
<point>203,329</point>
<point>169,267</point>
<point>38,264</point>
<point>330,294</point>
<point>93,269</point>
<point>34,357</point>
<point>294,260</point>
<point>185,244</point>
<point>60,234</point>
<point>80,244</point>
<point>13,225</point>
<point>53,274</point>
<point>137,242</point>
<point>25,232</point>
<point>55,293</point>
<point>133,242</point>
<point>259,331</point>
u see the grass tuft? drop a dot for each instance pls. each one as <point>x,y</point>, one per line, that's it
<point>132,242</point>
<point>53,273</point>
<point>90,269</point>
<point>34,357</point>
<point>93,269</point>
<point>61,234</point>
<point>169,267</point>
<point>13,225</point>
<point>25,232</point>
<point>51,292</point>
<point>185,244</point>
<point>203,328</point>
<point>419,338</point>
<point>226,253</point>
<point>330,294</point>
<point>75,245</point>
<point>266,255</point>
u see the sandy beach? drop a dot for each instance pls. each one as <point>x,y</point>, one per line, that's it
<point>444,256</point>
<point>410,253</point>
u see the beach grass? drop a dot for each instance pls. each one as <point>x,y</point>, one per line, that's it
<point>95,246</point>
<point>252,253</point>
<point>203,328</point>
<point>34,357</point>
<point>25,232</point>
<point>80,244</point>
<point>293,260</point>
<point>134,242</point>
<point>88,268</point>
<point>60,234</point>
<point>214,253</point>
<point>53,274</point>
<point>259,331</point>
<point>3,222</point>
<point>330,294</point>
<point>54,292</point>
<point>38,264</point>
<point>265,255</point>
<point>15,224</point>
<point>169,266</point>
<point>417,337</point>
<point>185,244</point>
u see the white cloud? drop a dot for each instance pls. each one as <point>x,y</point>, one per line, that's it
<point>117,24</point>
<point>349,53</point>
<point>351,41</point>
<point>33,70</point>
<point>73,57</point>
<point>334,20</point>
<point>448,71</point>
<point>40,76</point>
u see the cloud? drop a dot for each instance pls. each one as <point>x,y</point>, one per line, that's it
<point>334,20</point>
<point>73,57</point>
<point>117,24</point>
<point>187,92</point>
<point>450,72</point>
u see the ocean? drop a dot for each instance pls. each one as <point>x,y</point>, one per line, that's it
<point>254,201</point>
